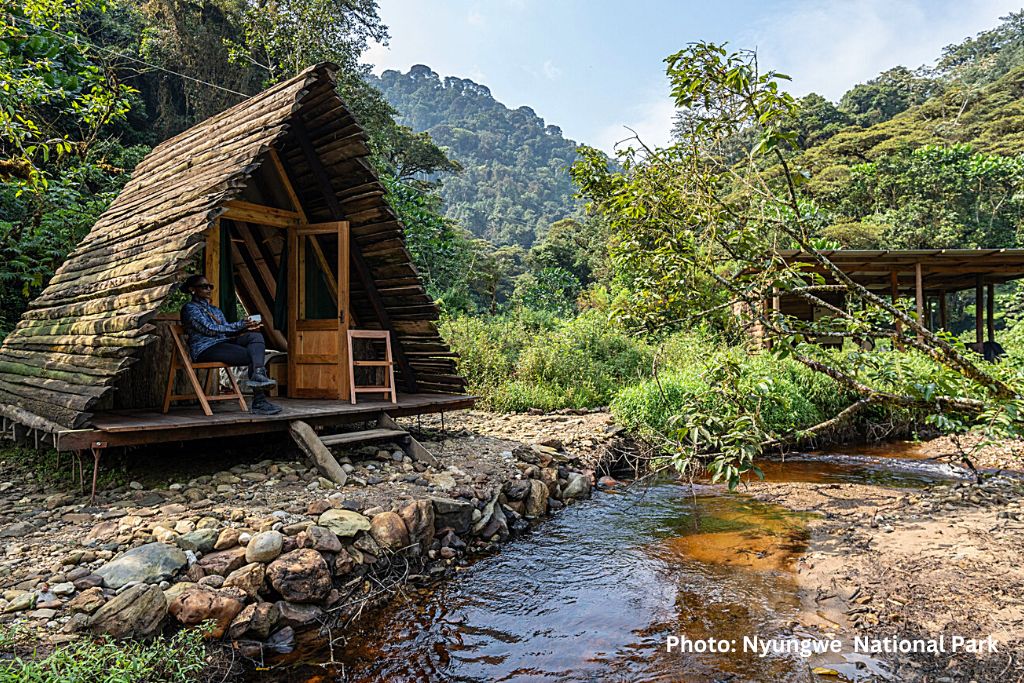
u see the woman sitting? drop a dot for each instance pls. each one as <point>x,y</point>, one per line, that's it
<point>212,339</point>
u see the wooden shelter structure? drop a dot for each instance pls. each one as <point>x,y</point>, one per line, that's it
<point>927,276</point>
<point>276,201</point>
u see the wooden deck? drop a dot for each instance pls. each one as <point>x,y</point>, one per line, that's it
<point>137,427</point>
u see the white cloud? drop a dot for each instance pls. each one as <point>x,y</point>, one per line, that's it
<point>827,46</point>
<point>651,120</point>
<point>551,72</point>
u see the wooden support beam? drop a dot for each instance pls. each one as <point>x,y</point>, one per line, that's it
<point>943,312</point>
<point>211,258</point>
<point>990,312</point>
<point>275,160</point>
<point>979,312</point>
<point>894,282</point>
<point>919,297</point>
<point>355,251</point>
<point>239,210</point>
<point>314,448</point>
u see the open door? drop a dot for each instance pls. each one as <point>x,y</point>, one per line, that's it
<point>318,296</point>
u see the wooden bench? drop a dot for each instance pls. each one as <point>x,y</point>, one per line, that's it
<point>180,360</point>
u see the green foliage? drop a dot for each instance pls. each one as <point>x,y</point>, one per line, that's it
<point>181,658</point>
<point>514,181</point>
<point>939,197</point>
<point>547,289</point>
<point>529,360</point>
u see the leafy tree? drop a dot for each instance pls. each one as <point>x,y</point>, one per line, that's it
<point>58,99</point>
<point>882,98</point>
<point>939,197</point>
<point>694,213</point>
<point>578,247</point>
<point>549,289</point>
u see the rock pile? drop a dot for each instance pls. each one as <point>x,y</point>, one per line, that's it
<point>260,581</point>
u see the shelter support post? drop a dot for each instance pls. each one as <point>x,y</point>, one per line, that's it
<point>990,312</point>
<point>979,312</point>
<point>943,312</point>
<point>97,450</point>
<point>919,297</point>
<point>212,260</point>
<point>894,284</point>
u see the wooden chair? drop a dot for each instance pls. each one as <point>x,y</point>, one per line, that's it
<point>180,360</point>
<point>387,364</point>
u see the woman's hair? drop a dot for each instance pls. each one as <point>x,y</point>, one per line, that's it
<point>190,282</point>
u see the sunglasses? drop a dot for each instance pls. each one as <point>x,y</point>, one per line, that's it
<point>206,286</point>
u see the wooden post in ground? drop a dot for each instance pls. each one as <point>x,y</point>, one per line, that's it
<point>979,313</point>
<point>943,313</point>
<point>919,296</point>
<point>990,312</point>
<point>895,287</point>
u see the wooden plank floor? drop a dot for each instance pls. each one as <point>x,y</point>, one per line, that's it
<point>139,427</point>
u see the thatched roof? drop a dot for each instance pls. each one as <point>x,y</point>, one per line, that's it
<point>85,329</point>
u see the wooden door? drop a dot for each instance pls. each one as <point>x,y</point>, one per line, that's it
<point>318,312</point>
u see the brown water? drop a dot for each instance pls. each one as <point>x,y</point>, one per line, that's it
<point>594,593</point>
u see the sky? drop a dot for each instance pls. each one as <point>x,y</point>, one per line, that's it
<point>595,68</point>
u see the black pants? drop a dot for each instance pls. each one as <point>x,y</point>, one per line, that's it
<point>247,349</point>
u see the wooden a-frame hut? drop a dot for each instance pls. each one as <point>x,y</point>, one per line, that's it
<point>276,199</point>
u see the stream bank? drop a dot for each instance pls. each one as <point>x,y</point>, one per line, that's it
<point>274,555</point>
<point>847,543</point>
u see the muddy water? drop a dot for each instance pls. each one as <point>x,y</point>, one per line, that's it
<point>594,593</point>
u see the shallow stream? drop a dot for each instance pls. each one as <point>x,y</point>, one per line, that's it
<point>594,593</point>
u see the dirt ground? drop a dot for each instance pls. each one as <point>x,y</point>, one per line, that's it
<point>915,564</point>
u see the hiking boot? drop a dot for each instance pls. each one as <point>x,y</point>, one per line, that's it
<point>259,380</point>
<point>261,406</point>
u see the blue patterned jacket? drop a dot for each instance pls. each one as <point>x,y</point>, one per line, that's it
<point>206,326</point>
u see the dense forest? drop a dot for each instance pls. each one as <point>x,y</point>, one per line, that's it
<point>514,180</point>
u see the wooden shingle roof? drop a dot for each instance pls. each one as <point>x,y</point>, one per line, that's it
<point>91,322</point>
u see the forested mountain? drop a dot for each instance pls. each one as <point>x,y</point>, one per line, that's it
<point>932,158</point>
<point>514,181</point>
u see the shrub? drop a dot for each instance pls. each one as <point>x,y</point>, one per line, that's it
<point>532,361</point>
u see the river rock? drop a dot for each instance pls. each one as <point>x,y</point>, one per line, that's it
<point>17,530</point>
<point>536,499</point>
<point>227,538</point>
<point>254,621</point>
<point>319,538</point>
<point>344,523</point>
<point>199,541</point>
<point>516,490</point>
<point>419,520</point>
<point>298,616</point>
<point>300,576</point>
<point>389,531</point>
<point>457,514</point>
<point>248,578</point>
<point>88,601</point>
<point>21,602</point>
<point>223,562</point>
<point>150,563</point>
<point>264,547</point>
<point>136,613</point>
<point>578,486</point>
<point>201,604</point>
